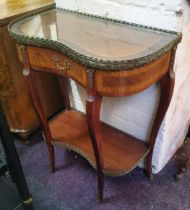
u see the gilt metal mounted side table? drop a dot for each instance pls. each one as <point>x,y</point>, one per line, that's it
<point>108,58</point>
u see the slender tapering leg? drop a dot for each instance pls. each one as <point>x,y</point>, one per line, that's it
<point>29,74</point>
<point>31,81</point>
<point>166,91</point>
<point>183,169</point>
<point>13,162</point>
<point>93,104</point>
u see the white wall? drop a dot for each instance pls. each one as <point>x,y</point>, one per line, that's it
<point>159,13</point>
<point>135,114</point>
<point>178,116</point>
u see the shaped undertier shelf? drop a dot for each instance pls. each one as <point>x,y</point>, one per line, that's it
<point>121,152</point>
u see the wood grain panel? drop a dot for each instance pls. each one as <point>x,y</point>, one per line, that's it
<point>121,152</point>
<point>41,59</point>
<point>10,9</point>
<point>129,82</point>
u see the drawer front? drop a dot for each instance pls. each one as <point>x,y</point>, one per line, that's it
<point>55,62</point>
<point>129,82</point>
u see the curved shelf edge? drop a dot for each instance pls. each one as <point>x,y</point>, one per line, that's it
<point>121,152</point>
<point>109,173</point>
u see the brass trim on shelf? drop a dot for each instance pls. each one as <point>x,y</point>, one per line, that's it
<point>93,164</point>
<point>92,62</point>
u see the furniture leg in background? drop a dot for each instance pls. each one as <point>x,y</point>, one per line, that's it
<point>13,162</point>
<point>184,163</point>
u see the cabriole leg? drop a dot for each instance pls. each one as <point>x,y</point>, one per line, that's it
<point>31,81</point>
<point>166,91</point>
<point>93,104</point>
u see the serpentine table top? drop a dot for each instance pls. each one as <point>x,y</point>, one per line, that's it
<point>95,41</point>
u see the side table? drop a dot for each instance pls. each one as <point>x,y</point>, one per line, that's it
<point>108,58</point>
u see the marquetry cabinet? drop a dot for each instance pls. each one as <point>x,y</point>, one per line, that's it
<point>14,95</point>
<point>107,58</point>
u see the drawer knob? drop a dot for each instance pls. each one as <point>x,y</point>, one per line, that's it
<point>59,65</point>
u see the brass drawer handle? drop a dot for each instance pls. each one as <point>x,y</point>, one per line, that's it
<point>56,61</point>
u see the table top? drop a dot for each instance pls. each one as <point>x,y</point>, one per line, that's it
<point>94,41</point>
<point>12,8</point>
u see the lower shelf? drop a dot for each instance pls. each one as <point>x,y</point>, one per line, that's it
<point>121,152</point>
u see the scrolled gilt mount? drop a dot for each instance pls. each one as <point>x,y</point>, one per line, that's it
<point>61,65</point>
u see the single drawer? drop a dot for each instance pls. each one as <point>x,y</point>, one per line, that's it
<point>56,62</point>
